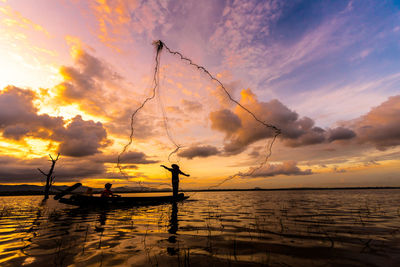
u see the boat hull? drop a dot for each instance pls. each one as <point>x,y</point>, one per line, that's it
<point>82,200</point>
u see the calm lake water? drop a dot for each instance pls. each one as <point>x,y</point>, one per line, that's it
<point>295,228</point>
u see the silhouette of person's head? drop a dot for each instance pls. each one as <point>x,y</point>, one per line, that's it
<point>108,186</point>
<point>175,167</point>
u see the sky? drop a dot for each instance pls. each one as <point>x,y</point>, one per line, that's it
<point>326,73</point>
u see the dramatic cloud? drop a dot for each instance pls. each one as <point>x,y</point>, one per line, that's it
<point>307,136</point>
<point>90,83</point>
<point>82,138</point>
<point>380,126</point>
<point>199,151</point>
<point>97,89</point>
<point>242,130</point>
<point>286,168</point>
<point>225,120</point>
<point>19,118</point>
<point>340,133</point>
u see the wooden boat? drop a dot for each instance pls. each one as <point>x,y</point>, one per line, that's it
<point>84,200</point>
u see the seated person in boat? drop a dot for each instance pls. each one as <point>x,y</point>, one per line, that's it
<point>175,171</point>
<point>107,191</point>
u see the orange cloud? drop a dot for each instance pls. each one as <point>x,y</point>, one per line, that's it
<point>15,18</point>
<point>19,119</point>
<point>98,90</point>
<point>241,129</point>
<point>112,19</point>
<point>90,83</point>
<point>380,126</point>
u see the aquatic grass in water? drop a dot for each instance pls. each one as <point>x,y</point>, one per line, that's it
<point>297,228</point>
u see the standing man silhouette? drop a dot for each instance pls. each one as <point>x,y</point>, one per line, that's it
<point>175,177</point>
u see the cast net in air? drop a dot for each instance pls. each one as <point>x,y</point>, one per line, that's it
<point>155,94</point>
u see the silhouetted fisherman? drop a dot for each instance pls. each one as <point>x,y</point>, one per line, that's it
<point>175,177</point>
<point>107,192</point>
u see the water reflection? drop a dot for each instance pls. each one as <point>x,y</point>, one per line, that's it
<point>57,237</point>
<point>219,228</point>
<point>173,223</point>
<point>102,220</point>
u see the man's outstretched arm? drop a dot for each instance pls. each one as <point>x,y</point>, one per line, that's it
<point>184,173</point>
<point>166,167</point>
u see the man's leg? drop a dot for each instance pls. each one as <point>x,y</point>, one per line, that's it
<point>175,186</point>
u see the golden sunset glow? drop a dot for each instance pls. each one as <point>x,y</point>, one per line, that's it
<point>199,133</point>
<point>70,82</point>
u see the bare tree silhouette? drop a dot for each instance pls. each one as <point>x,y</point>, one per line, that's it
<point>49,176</point>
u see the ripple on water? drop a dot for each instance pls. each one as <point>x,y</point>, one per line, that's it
<point>356,227</point>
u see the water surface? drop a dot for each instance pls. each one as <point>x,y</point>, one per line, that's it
<point>250,228</point>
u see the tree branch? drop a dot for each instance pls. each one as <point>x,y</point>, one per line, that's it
<point>42,172</point>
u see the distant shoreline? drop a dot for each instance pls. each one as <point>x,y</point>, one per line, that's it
<point>34,193</point>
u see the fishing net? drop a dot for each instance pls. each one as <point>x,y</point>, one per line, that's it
<point>208,95</point>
